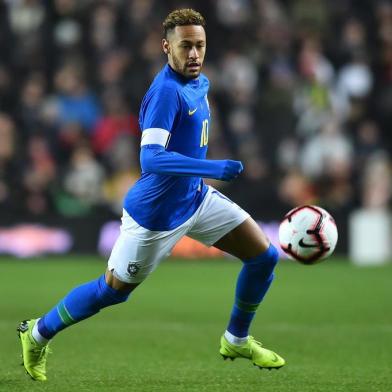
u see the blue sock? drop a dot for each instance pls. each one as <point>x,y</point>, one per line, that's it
<point>79,304</point>
<point>253,282</point>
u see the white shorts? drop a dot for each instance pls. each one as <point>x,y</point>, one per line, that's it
<point>138,251</point>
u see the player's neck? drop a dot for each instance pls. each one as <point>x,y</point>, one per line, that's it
<point>180,76</point>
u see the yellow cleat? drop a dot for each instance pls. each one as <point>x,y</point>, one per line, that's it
<point>253,350</point>
<point>34,355</point>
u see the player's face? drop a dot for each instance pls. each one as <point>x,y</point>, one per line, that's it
<point>185,47</point>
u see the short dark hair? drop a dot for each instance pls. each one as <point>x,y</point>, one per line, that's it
<point>182,17</point>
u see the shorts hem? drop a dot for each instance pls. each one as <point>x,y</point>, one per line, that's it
<point>229,229</point>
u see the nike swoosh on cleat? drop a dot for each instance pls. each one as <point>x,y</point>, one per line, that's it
<point>302,244</point>
<point>275,359</point>
<point>190,112</point>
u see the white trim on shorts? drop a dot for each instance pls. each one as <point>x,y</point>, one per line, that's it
<point>138,251</point>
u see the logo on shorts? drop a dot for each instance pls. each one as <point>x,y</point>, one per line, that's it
<point>133,268</point>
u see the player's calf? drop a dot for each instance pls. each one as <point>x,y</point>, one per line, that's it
<point>253,283</point>
<point>82,302</point>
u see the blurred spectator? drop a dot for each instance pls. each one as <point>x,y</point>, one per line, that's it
<point>7,92</point>
<point>112,68</point>
<point>103,27</point>
<point>327,153</point>
<point>243,127</point>
<point>10,187</point>
<point>354,39</point>
<point>354,83</point>
<point>296,190</point>
<point>31,103</point>
<point>234,12</point>
<point>367,144</point>
<point>81,184</point>
<point>377,183</point>
<point>140,16</point>
<point>27,19</point>
<point>39,173</point>
<point>327,159</point>
<point>239,77</point>
<point>76,103</point>
<point>312,99</point>
<point>117,121</point>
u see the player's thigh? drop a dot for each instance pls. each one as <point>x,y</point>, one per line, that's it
<point>217,216</point>
<point>138,251</point>
<point>245,241</point>
<point>224,224</point>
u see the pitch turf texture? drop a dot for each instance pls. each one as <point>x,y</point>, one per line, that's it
<point>332,323</point>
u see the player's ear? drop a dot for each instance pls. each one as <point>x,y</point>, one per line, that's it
<point>165,46</point>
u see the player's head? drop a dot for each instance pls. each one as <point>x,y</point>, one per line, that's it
<point>184,41</point>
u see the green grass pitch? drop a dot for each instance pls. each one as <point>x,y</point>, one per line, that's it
<point>332,323</point>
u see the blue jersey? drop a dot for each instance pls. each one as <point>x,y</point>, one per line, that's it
<point>174,113</point>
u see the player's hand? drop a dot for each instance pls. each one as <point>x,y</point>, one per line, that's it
<point>231,169</point>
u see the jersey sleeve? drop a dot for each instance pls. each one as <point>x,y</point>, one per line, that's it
<point>161,108</point>
<point>155,159</point>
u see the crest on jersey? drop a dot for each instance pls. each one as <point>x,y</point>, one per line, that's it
<point>133,268</point>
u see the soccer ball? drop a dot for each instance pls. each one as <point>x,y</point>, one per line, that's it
<point>308,234</point>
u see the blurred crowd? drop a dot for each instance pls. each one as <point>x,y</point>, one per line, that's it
<point>301,92</point>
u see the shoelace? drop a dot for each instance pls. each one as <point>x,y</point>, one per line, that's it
<point>253,340</point>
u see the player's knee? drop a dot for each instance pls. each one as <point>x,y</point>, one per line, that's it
<point>272,256</point>
<point>266,260</point>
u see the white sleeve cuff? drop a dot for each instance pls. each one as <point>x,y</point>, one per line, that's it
<point>155,136</point>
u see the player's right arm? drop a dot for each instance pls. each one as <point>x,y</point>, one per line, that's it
<point>155,159</point>
<point>158,115</point>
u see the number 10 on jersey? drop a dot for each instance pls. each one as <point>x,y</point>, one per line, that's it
<point>204,134</point>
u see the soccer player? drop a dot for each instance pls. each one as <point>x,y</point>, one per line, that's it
<point>171,200</point>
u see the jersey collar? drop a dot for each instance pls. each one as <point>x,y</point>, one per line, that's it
<point>182,79</point>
